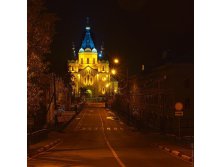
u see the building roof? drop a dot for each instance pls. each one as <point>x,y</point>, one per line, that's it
<point>87,42</point>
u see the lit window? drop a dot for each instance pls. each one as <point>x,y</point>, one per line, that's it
<point>87,60</point>
<point>103,90</point>
<point>81,60</point>
<point>93,60</point>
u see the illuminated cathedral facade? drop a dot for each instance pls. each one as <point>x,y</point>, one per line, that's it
<point>91,71</point>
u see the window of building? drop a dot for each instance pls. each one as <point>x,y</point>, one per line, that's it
<point>87,60</point>
<point>88,79</point>
<point>103,68</point>
<point>93,60</point>
<point>103,90</point>
<point>81,60</point>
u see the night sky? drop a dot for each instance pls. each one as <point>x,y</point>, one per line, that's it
<point>137,31</point>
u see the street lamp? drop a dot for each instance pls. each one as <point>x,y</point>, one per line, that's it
<point>113,71</point>
<point>116,60</point>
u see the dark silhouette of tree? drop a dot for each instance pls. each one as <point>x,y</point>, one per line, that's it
<point>40,31</point>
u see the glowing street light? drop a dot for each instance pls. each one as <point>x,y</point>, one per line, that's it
<point>116,60</point>
<point>113,71</point>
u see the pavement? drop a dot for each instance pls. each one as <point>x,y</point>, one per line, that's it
<point>96,138</point>
<point>174,146</point>
<point>180,147</point>
<point>52,138</point>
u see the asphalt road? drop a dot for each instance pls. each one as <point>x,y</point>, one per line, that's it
<point>95,139</point>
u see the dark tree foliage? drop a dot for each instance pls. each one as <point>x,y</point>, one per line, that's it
<point>40,31</point>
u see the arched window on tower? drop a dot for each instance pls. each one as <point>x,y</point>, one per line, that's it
<point>87,60</point>
<point>103,90</point>
<point>103,68</point>
<point>91,81</point>
<point>81,60</point>
<point>88,80</point>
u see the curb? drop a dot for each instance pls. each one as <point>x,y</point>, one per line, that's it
<point>187,158</point>
<point>45,148</point>
<point>166,149</point>
<point>68,122</point>
<point>176,153</point>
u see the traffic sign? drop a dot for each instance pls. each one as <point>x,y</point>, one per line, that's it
<point>179,106</point>
<point>178,113</point>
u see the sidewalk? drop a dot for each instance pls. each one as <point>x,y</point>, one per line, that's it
<point>50,141</point>
<point>53,136</point>
<point>182,148</point>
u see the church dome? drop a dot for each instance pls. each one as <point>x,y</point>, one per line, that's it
<point>87,50</point>
<point>81,50</point>
<point>94,50</point>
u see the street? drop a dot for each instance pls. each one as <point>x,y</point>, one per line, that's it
<point>97,138</point>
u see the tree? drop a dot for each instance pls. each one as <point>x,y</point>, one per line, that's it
<point>40,33</point>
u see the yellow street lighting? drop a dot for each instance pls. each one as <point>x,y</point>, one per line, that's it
<point>107,85</point>
<point>116,60</point>
<point>113,71</point>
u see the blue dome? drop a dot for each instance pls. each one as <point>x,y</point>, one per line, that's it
<point>94,50</point>
<point>81,50</point>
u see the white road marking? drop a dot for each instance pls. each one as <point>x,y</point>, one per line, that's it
<point>108,129</point>
<point>115,128</point>
<point>110,147</point>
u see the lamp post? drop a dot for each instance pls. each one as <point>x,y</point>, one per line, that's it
<point>120,75</point>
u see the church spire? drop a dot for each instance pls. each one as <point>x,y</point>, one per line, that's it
<point>73,49</point>
<point>101,54</point>
<point>87,23</point>
<point>87,42</point>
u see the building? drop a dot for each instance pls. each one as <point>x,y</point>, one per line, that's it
<point>91,71</point>
<point>152,95</point>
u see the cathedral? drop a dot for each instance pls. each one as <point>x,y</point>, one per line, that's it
<point>91,71</point>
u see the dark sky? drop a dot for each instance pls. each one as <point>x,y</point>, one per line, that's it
<point>137,31</point>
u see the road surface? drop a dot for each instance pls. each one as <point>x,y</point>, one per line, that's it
<point>96,139</point>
